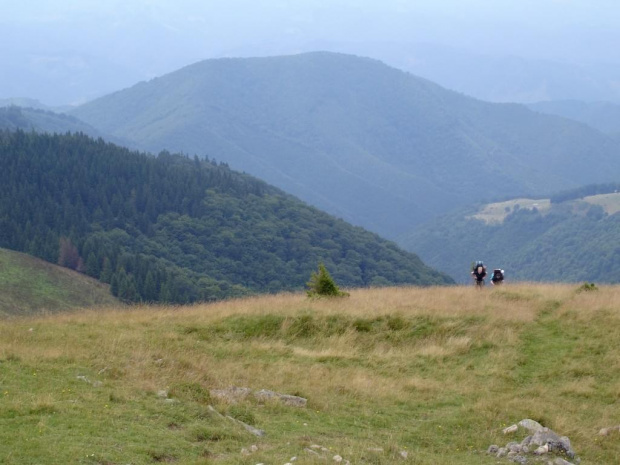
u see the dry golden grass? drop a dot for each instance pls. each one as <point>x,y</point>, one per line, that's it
<point>609,202</point>
<point>436,370</point>
<point>494,213</point>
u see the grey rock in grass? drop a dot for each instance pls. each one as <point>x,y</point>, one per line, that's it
<point>212,410</point>
<point>286,399</point>
<point>608,430</point>
<point>236,394</point>
<point>554,442</point>
<point>95,384</point>
<point>531,425</point>
<point>544,436</point>
<point>520,459</point>
<point>513,447</point>
<point>404,454</point>
<point>517,449</point>
<point>511,429</point>
<point>231,394</point>
<point>312,452</point>
<point>248,428</point>
<point>549,447</point>
<point>493,449</point>
<point>562,446</point>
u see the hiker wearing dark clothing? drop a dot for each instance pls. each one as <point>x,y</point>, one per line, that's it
<point>478,273</point>
<point>498,277</point>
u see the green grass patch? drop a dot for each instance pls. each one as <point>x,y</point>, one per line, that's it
<point>30,286</point>
<point>437,384</point>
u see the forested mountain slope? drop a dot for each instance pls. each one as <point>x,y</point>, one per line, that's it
<point>175,229</point>
<point>575,237</point>
<point>367,142</point>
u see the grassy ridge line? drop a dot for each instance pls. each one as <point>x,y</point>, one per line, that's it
<point>436,372</point>
<point>29,285</point>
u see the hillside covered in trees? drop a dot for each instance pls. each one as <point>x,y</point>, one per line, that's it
<point>374,145</point>
<point>174,229</point>
<point>575,237</point>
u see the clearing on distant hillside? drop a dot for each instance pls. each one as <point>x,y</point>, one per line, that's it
<point>30,285</point>
<point>497,212</point>
<point>609,202</point>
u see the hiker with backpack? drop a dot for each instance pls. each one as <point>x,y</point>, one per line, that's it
<point>479,272</point>
<point>498,277</point>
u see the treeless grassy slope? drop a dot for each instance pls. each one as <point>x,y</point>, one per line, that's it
<point>29,285</point>
<point>434,372</point>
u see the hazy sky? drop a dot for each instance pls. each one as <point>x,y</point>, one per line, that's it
<point>127,40</point>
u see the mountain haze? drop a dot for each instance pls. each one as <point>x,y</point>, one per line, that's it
<point>604,116</point>
<point>493,77</point>
<point>14,117</point>
<point>372,144</point>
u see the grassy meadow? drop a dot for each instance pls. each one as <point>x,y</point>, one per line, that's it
<point>434,372</point>
<point>496,213</point>
<point>29,285</point>
<point>609,202</point>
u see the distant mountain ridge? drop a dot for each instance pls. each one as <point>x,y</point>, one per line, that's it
<point>369,143</point>
<point>14,117</point>
<point>497,78</point>
<point>604,116</point>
